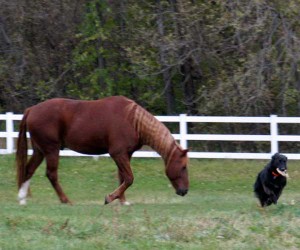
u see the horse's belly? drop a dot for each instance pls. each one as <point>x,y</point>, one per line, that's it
<point>86,144</point>
<point>87,149</point>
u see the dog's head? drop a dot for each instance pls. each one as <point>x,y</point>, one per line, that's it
<point>279,163</point>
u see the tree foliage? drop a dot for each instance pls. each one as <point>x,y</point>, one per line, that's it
<point>175,56</point>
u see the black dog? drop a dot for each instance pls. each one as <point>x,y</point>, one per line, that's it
<point>271,180</point>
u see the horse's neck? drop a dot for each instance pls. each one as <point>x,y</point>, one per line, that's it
<point>163,144</point>
<point>158,137</point>
<point>151,131</point>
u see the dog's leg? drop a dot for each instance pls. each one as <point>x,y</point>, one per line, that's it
<point>267,190</point>
<point>271,196</point>
<point>269,201</point>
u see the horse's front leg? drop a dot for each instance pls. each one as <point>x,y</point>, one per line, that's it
<point>125,178</point>
<point>122,198</point>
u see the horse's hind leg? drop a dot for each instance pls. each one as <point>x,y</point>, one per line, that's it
<point>35,160</point>
<point>51,173</point>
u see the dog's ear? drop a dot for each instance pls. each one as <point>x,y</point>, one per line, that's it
<point>274,156</point>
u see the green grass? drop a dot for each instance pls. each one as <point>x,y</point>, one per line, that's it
<point>220,211</point>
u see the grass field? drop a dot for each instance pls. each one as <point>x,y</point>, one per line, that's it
<point>220,211</point>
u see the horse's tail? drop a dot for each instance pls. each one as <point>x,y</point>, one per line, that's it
<point>21,154</point>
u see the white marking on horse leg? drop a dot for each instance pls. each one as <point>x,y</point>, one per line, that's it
<point>125,203</point>
<point>23,192</point>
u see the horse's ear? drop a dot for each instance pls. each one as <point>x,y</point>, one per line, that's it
<point>184,152</point>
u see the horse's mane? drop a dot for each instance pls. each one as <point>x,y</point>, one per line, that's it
<point>151,131</point>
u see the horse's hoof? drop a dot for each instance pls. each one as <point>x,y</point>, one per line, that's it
<point>66,201</point>
<point>125,203</point>
<point>106,201</point>
<point>22,202</point>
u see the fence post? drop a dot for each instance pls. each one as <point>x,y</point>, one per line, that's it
<point>9,133</point>
<point>183,130</point>
<point>274,133</point>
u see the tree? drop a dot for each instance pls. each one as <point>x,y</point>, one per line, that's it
<point>34,64</point>
<point>171,56</point>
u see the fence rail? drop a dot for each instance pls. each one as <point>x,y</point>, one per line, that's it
<point>9,135</point>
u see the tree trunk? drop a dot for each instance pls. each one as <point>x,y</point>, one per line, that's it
<point>189,88</point>
<point>189,73</point>
<point>166,72</point>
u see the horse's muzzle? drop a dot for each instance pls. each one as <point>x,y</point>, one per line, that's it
<point>182,192</point>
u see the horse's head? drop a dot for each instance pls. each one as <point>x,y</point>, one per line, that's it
<point>176,170</point>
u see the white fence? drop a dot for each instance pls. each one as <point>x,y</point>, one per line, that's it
<point>183,137</point>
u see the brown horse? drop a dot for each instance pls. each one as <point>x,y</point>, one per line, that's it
<point>114,125</point>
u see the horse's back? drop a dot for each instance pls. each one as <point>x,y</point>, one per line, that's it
<point>85,126</point>
<point>60,109</point>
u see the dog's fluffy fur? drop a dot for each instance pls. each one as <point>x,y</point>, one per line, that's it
<point>269,183</point>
